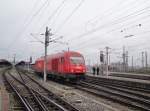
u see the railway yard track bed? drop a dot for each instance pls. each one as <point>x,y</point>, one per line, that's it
<point>34,96</point>
<point>92,94</point>
<point>69,92</point>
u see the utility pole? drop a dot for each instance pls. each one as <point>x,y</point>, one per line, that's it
<point>132,64</point>
<point>142,59</point>
<point>14,59</point>
<point>68,49</point>
<point>47,34</point>
<point>102,62</point>
<point>146,65</point>
<point>124,58</point>
<point>126,64</point>
<point>107,57</point>
<point>46,43</point>
<point>109,60</point>
<point>30,61</point>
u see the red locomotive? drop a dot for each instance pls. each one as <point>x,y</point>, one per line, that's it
<point>68,65</point>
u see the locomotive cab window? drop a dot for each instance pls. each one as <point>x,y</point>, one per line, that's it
<point>76,60</point>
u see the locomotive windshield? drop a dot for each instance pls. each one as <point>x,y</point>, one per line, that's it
<point>77,60</point>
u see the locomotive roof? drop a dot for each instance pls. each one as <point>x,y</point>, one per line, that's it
<point>61,54</point>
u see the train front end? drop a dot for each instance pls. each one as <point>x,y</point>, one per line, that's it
<point>77,66</point>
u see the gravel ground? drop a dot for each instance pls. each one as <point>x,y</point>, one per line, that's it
<point>82,100</point>
<point>14,104</point>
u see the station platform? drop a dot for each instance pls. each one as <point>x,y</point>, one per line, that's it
<point>119,78</point>
<point>139,74</point>
<point>4,95</point>
<point>131,75</point>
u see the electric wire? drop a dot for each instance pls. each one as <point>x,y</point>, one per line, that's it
<point>19,35</point>
<point>111,23</point>
<point>53,14</point>
<point>70,15</point>
<point>109,11</point>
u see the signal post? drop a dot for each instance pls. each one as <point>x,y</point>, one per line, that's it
<point>102,62</point>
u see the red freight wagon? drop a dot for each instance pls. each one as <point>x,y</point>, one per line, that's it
<point>67,64</point>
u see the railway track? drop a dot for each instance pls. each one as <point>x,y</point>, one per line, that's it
<point>138,99</point>
<point>138,86</point>
<point>34,96</point>
<point>134,97</point>
<point>133,76</point>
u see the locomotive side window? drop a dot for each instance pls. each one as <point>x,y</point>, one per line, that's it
<point>76,60</point>
<point>62,60</point>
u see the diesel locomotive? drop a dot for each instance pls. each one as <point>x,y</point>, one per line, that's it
<point>66,65</point>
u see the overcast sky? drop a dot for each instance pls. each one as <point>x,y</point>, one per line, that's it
<point>87,25</point>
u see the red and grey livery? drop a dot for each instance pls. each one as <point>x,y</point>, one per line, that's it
<point>68,65</point>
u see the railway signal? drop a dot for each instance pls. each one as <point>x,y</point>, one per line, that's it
<point>102,61</point>
<point>101,57</point>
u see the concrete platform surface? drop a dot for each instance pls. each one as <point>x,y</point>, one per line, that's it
<point>138,74</point>
<point>4,95</point>
<point>120,78</point>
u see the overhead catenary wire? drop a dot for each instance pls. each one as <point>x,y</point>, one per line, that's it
<point>31,11</point>
<point>125,9</point>
<point>39,10</point>
<point>27,23</point>
<point>110,23</point>
<point>52,15</point>
<point>96,38</point>
<point>70,15</point>
<point>132,48</point>
<point>109,11</point>
<point>88,40</point>
<point>83,46</point>
<point>88,32</point>
<point>58,15</point>
<point>117,4</point>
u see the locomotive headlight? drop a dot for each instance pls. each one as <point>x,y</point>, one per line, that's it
<point>72,70</point>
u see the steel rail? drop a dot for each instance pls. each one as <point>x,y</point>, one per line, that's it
<point>133,76</point>
<point>119,83</point>
<point>37,102</point>
<point>57,107</point>
<point>25,103</point>
<point>126,95</point>
<point>114,95</point>
<point>126,90</point>
<point>35,97</point>
<point>48,94</point>
<point>132,95</point>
